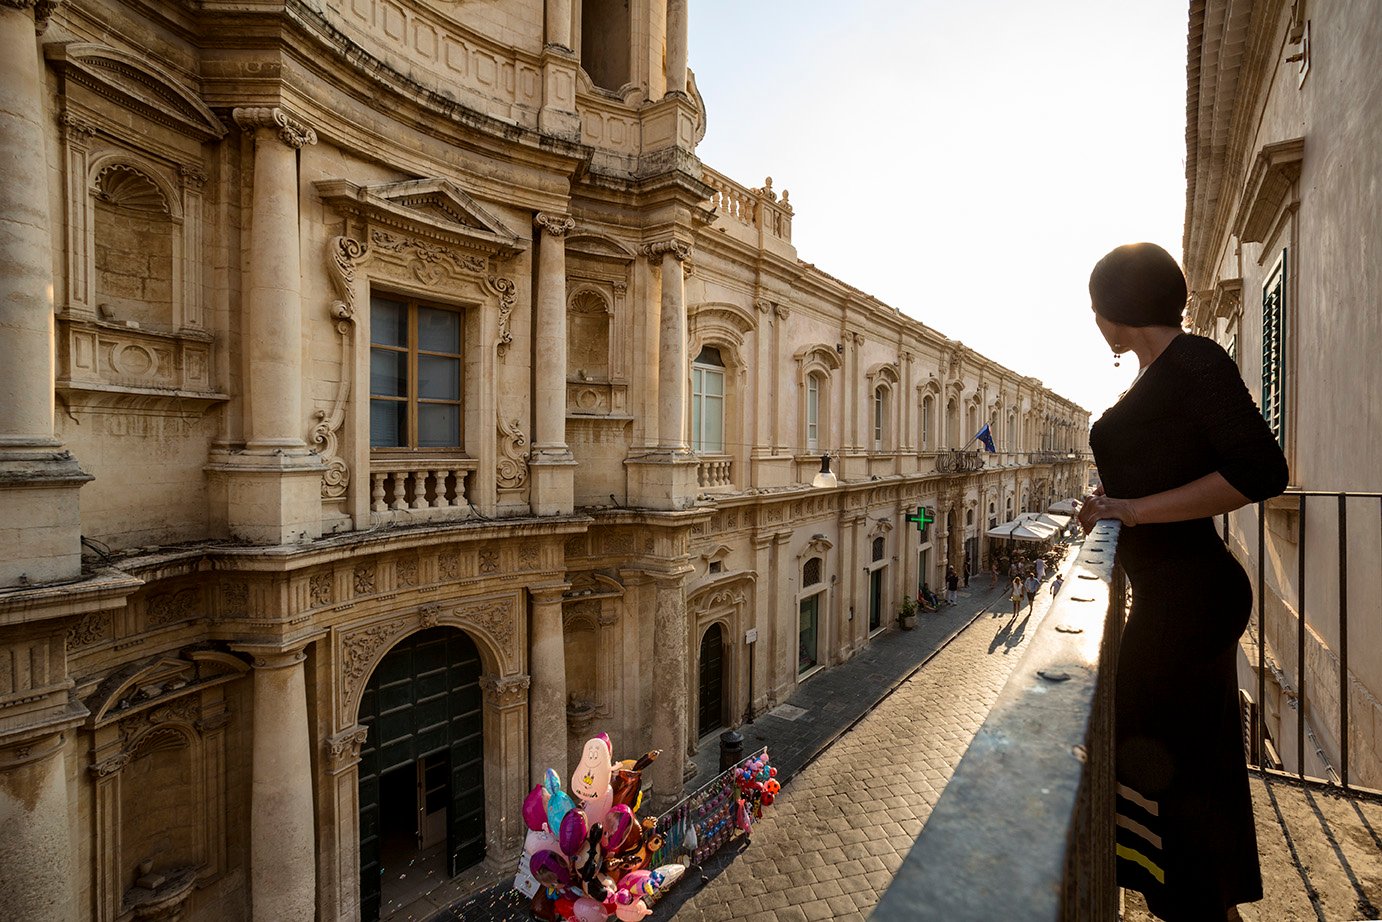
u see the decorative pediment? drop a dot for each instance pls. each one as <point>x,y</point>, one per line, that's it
<point>717,554</point>
<point>720,320</point>
<point>818,354</point>
<point>818,544</point>
<point>883,372</point>
<point>598,246</point>
<point>435,209</point>
<point>137,84</point>
<point>592,585</point>
<point>1275,170</point>
<point>141,685</point>
<point>730,590</point>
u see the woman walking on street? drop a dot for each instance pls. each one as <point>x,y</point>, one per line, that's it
<point>1184,443</point>
<point>1015,595</point>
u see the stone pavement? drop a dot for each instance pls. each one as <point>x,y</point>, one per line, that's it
<point>861,769</point>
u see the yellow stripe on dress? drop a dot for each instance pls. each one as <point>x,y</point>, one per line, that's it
<point>1138,858</point>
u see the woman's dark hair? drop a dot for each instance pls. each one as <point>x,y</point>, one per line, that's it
<point>1139,285</point>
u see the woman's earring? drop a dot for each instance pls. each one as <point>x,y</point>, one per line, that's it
<point>1117,354</point>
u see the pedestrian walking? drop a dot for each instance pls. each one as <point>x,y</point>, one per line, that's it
<point>1040,569</point>
<point>1015,595</point>
<point>1056,584</point>
<point>952,585</point>
<point>993,572</point>
<point>1032,585</point>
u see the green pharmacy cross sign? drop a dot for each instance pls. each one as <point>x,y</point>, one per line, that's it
<point>922,518</point>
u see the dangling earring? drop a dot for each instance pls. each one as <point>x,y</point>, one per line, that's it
<point>1117,354</point>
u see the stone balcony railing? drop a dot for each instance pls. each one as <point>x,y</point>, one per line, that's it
<point>419,489</point>
<point>760,208</point>
<point>1024,828</point>
<point>715,472</point>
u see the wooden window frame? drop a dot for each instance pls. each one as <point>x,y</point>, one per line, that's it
<point>414,305</point>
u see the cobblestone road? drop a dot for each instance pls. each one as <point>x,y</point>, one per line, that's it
<point>833,841</point>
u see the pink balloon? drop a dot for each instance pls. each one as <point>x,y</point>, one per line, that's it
<point>618,822</point>
<point>534,809</point>
<point>588,910</point>
<point>597,808</point>
<point>632,912</point>
<point>538,840</point>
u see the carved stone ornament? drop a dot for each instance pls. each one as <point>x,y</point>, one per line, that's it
<point>358,651</point>
<point>507,294</point>
<point>429,615</point>
<point>74,128</point>
<point>290,131</point>
<point>494,617</point>
<point>555,224</point>
<point>507,691</point>
<point>110,766</point>
<point>677,249</point>
<point>344,748</point>
<point>88,630</point>
<point>172,607</point>
<point>513,461</point>
<point>343,255</point>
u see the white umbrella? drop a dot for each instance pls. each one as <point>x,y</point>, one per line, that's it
<point>1065,506</point>
<point>1023,531</point>
<point>1058,522</point>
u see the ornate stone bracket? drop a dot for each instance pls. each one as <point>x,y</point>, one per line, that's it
<point>507,293</point>
<point>513,462</point>
<point>290,131</point>
<point>506,691</point>
<point>343,749</point>
<point>343,255</point>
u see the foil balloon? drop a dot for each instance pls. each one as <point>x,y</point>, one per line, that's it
<point>632,912</point>
<point>573,831</point>
<point>534,810</point>
<point>559,803</point>
<point>592,773</point>
<point>586,909</point>
<point>598,807</point>
<point>617,825</point>
<point>542,908</point>
<point>539,840</point>
<point>551,869</point>
<point>626,784</point>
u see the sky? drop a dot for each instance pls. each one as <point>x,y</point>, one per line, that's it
<point>967,163</point>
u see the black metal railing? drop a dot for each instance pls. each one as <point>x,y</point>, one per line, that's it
<point>1274,516</point>
<point>1024,827</point>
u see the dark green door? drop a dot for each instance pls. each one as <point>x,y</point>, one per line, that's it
<point>710,714</point>
<point>423,703</point>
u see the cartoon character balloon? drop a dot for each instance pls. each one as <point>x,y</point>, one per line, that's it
<point>590,782</point>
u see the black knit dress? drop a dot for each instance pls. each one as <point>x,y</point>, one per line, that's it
<point>1185,823</point>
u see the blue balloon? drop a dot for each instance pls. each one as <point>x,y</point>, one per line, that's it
<point>559,803</point>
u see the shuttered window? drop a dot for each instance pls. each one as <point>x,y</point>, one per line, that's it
<point>1274,350</point>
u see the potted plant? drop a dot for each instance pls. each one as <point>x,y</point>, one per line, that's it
<point>907,614</point>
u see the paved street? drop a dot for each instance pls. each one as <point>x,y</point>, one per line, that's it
<point>861,774</point>
<point>832,842</point>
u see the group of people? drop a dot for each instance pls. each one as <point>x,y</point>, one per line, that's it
<point>1025,586</point>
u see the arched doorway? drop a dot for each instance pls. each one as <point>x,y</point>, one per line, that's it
<point>711,713</point>
<point>422,796</point>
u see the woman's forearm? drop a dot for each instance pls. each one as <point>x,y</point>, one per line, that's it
<point>1209,496</point>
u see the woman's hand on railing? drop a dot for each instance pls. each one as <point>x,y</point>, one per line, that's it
<point>1098,506</point>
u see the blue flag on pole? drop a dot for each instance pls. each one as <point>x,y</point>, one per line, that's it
<point>986,437</point>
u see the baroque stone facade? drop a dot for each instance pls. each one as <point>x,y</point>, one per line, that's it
<point>1281,215</point>
<point>339,317</point>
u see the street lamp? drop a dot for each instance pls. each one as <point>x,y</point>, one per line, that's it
<point>825,480</point>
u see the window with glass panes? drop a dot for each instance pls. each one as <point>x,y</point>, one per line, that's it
<point>1274,350</point>
<point>878,419</point>
<point>415,375</point>
<point>708,402</point>
<point>813,412</point>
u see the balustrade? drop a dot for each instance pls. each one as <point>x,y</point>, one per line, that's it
<point>412,488</point>
<point>715,472</point>
<point>759,208</point>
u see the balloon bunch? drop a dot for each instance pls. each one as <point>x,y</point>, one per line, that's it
<point>588,862</point>
<point>758,787</point>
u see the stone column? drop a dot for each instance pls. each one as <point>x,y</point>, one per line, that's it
<point>35,846</point>
<point>283,877</point>
<point>506,759</point>
<point>551,465</point>
<point>273,298</point>
<point>671,689</point>
<point>558,116</point>
<point>559,23</point>
<point>547,688</point>
<point>38,480</point>
<point>272,490</point>
<point>673,367</point>
<point>677,30</point>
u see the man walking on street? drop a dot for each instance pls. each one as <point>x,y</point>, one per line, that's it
<point>1040,569</point>
<point>1056,584</point>
<point>952,585</point>
<point>1032,585</point>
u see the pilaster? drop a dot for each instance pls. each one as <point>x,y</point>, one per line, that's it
<point>506,756</point>
<point>672,690</point>
<point>547,688</point>
<point>551,465</point>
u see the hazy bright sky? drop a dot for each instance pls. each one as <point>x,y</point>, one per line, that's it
<point>965,162</point>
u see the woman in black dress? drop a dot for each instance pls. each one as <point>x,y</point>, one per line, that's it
<point>1183,444</point>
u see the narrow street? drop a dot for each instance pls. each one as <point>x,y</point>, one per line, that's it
<point>831,844</point>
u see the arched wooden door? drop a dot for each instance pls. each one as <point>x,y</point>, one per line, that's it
<point>711,713</point>
<point>422,765</point>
